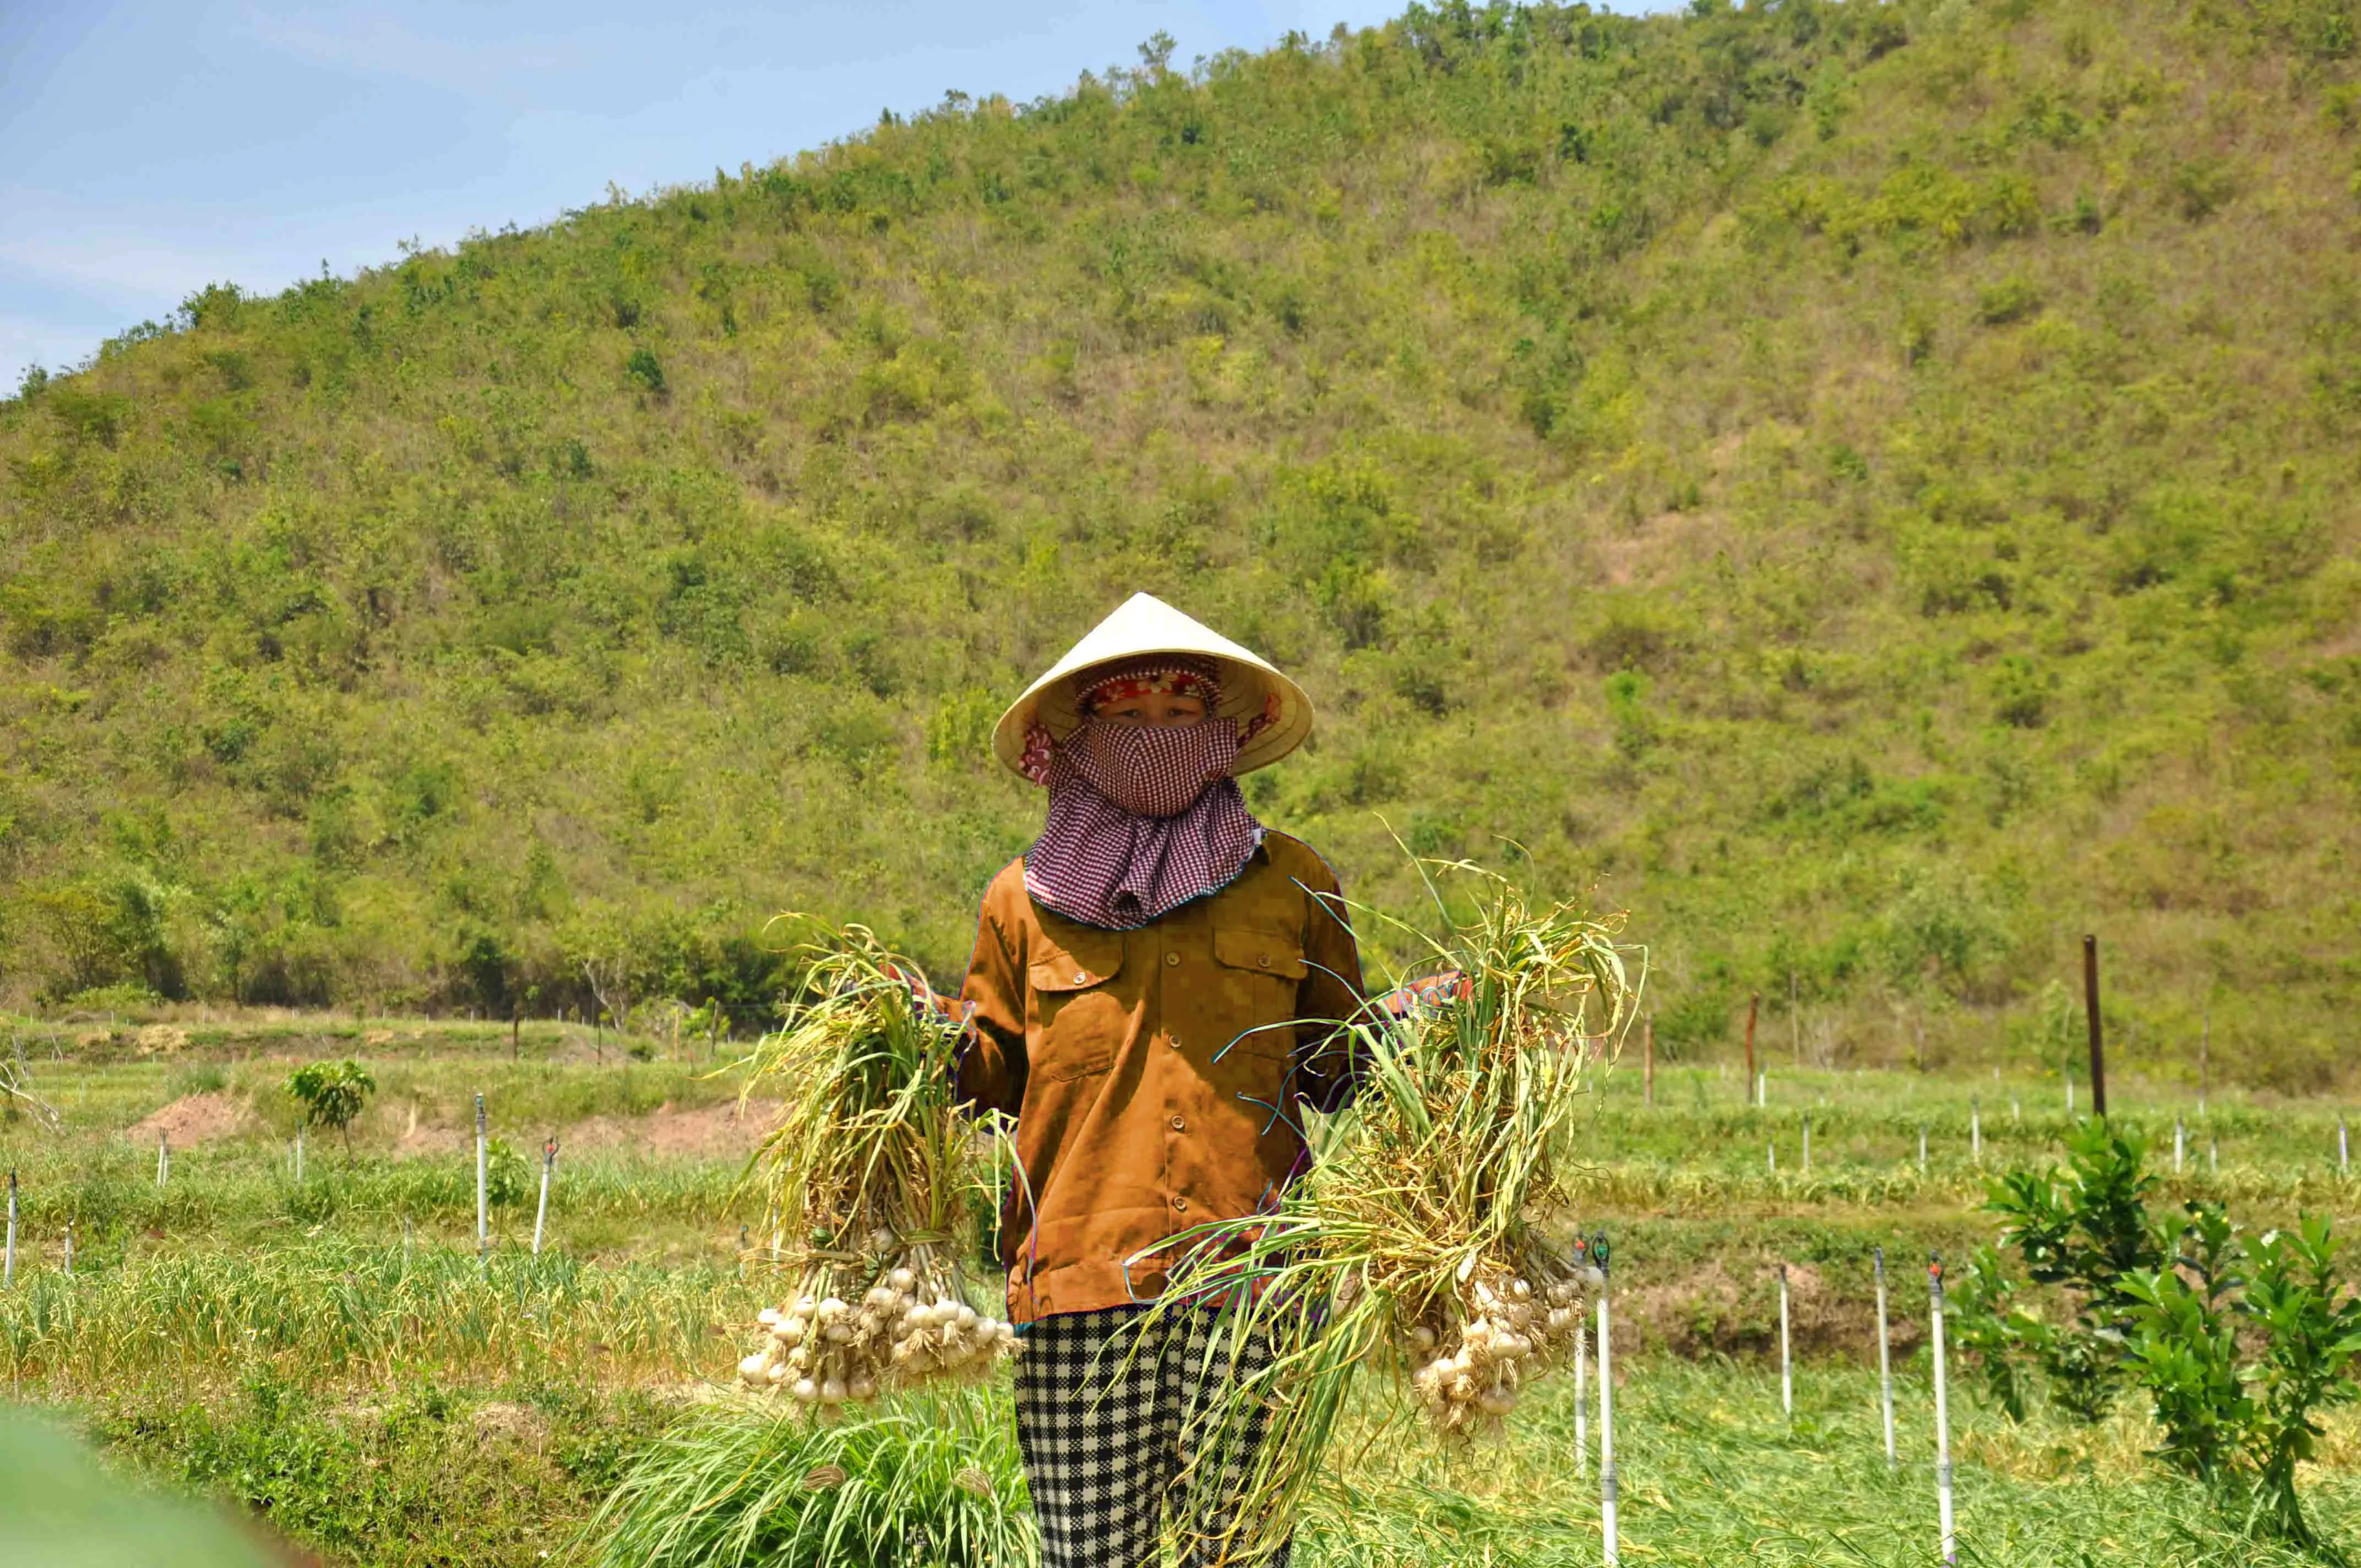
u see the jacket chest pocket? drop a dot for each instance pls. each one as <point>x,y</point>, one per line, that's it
<point>1079,1018</point>
<point>1260,969</point>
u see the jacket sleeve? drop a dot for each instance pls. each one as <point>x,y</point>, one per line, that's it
<point>1328,1067</point>
<point>992,1057</point>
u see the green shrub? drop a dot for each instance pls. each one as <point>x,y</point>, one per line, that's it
<point>643,370</point>
<point>332,1095</point>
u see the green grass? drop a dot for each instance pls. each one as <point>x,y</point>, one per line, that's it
<point>1710,1474</point>
<point>1868,485</point>
<point>271,1346</point>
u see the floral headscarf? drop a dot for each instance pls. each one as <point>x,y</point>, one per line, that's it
<point>1141,820</point>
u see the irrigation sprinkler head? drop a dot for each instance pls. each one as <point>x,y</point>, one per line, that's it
<point>1599,1251</point>
<point>1935,1272</point>
<point>1878,1252</point>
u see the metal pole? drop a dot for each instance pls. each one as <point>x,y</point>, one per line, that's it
<point>548,1164</point>
<point>1884,1361</point>
<point>1942,1409</point>
<point>2091,1009</point>
<point>1581,1401</point>
<point>8,1269</point>
<point>483,1212</point>
<point>1614,1555</point>
<point>1787,1373</point>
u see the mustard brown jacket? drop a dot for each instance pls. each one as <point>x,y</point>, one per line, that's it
<point>1156,1075</point>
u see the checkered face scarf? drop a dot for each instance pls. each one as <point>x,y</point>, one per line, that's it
<point>1141,820</point>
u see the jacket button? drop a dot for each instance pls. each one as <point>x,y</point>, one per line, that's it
<point>1171,961</point>
<point>1180,1205</point>
<point>1179,1125</point>
<point>1079,977</point>
<point>1264,960</point>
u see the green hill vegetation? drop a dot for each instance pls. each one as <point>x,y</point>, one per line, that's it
<point>1873,488</point>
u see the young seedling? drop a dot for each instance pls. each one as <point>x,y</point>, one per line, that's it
<point>333,1094</point>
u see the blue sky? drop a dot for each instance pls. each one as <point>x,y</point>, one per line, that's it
<point>152,146</point>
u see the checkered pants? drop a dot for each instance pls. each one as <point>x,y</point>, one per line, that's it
<point>1112,1416</point>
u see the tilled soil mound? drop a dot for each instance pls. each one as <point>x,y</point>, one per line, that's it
<point>709,1132</point>
<point>712,1131</point>
<point>195,1119</point>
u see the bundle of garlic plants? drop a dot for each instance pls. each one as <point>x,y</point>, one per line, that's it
<point>875,1182</point>
<point>1431,1236</point>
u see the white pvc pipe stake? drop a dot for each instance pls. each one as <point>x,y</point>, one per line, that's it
<point>2179,1140</point>
<point>2070,1092</point>
<point>69,1249</point>
<point>8,1267</point>
<point>1807,1145</point>
<point>163,1159</point>
<point>1771,1155</point>
<point>1942,1413</point>
<point>405,1244</point>
<point>2213,1157</point>
<point>1581,1401</point>
<point>548,1164</point>
<point>1786,1372</point>
<point>1761,1090</point>
<point>1975,1131</point>
<point>1922,1149</point>
<point>1884,1361</point>
<point>299,1153</point>
<point>1608,1533</point>
<point>2343,1158</point>
<point>483,1211</point>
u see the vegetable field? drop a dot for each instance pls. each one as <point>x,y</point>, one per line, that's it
<point>334,1354</point>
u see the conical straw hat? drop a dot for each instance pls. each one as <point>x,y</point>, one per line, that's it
<point>1146,624</point>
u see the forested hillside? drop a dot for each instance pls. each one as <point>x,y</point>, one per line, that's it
<point>1874,488</point>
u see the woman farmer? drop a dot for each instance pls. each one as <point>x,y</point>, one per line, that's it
<point>1155,993</point>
